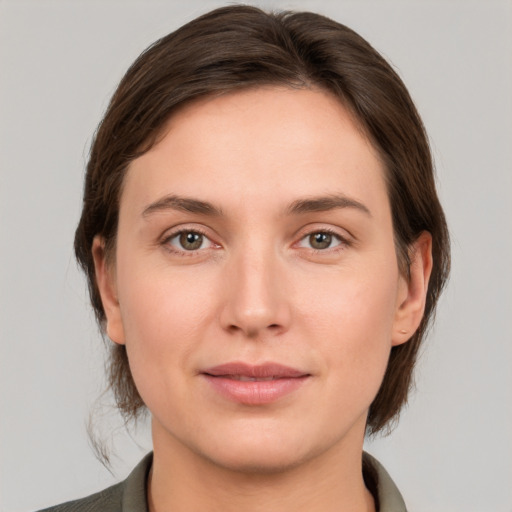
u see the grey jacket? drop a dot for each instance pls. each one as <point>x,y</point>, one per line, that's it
<point>130,495</point>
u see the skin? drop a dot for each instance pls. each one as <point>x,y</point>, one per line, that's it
<point>259,289</point>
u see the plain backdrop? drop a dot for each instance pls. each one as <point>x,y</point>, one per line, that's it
<point>59,63</point>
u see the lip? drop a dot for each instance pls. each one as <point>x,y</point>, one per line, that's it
<point>254,384</point>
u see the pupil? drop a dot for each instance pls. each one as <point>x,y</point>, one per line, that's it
<point>191,241</point>
<point>320,240</point>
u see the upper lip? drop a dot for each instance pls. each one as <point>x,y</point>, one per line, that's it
<point>261,371</point>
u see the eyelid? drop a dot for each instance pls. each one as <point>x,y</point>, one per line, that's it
<point>175,231</point>
<point>333,235</point>
<point>343,234</point>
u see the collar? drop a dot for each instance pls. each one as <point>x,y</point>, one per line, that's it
<point>386,494</point>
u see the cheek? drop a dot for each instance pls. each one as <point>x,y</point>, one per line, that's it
<point>158,298</point>
<point>353,305</point>
<point>351,321</point>
<point>163,316</point>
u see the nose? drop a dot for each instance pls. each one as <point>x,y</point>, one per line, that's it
<point>256,301</point>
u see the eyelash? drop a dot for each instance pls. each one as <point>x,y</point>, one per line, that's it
<point>343,242</point>
<point>184,252</point>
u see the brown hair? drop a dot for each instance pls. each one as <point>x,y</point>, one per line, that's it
<point>239,47</point>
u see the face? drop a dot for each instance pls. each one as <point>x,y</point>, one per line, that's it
<point>255,281</point>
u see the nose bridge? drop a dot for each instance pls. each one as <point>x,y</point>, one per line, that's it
<point>256,298</point>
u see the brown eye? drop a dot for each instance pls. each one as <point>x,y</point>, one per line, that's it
<point>190,240</point>
<point>320,240</point>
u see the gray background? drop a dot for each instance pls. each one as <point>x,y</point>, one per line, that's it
<point>59,64</point>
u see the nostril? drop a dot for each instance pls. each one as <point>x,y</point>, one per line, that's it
<point>253,331</point>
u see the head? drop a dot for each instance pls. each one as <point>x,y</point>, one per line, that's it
<point>241,49</point>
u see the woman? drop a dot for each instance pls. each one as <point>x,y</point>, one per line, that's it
<point>264,247</point>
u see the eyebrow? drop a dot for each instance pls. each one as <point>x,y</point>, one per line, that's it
<point>185,204</point>
<point>301,206</point>
<point>326,203</point>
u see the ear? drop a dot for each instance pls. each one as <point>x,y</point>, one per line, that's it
<point>412,292</point>
<point>106,282</point>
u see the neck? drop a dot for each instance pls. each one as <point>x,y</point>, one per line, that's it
<point>181,480</point>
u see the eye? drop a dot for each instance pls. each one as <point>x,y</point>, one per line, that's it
<point>189,241</point>
<point>320,240</point>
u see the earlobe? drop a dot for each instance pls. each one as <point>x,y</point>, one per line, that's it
<point>413,292</point>
<point>105,280</point>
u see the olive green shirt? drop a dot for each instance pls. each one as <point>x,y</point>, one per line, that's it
<point>130,495</point>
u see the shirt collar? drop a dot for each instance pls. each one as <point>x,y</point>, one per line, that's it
<point>386,494</point>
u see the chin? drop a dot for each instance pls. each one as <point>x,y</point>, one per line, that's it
<point>263,452</point>
<point>262,461</point>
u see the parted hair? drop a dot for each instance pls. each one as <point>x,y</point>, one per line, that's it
<point>239,47</point>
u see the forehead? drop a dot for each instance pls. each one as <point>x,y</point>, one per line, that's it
<point>268,143</point>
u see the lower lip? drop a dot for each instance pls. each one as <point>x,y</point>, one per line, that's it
<point>255,392</point>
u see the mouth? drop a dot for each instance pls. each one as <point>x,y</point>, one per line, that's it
<point>245,378</point>
<point>254,384</point>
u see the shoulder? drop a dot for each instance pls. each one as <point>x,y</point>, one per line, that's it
<point>126,496</point>
<point>380,484</point>
<point>108,500</point>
